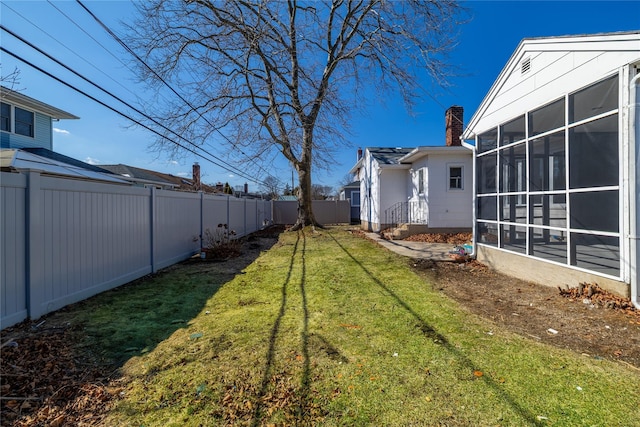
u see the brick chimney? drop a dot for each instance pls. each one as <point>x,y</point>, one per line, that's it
<point>359,154</point>
<point>454,118</point>
<point>196,177</point>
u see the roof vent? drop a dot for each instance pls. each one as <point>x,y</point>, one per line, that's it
<point>525,66</point>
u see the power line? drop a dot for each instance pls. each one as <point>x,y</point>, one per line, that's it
<point>3,49</point>
<point>228,168</point>
<point>161,79</point>
<point>67,47</point>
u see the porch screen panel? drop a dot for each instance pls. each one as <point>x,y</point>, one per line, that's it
<point>486,174</point>
<point>546,118</point>
<point>487,141</point>
<point>596,252</point>
<point>593,153</point>
<point>594,100</point>
<point>547,163</point>
<point>512,131</point>
<point>513,168</point>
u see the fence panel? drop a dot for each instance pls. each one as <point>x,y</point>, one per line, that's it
<point>237,218</point>
<point>84,238</point>
<point>13,261</point>
<point>263,214</point>
<point>176,227</point>
<point>332,211</point>
<point>251,215</point>
<point>214,213</point>
<point>325,211</point>
<point>285,212</point>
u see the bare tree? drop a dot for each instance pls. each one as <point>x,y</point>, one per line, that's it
<point>346,180</point>
<point>285,76</point>
<point>10,80</point>
<point>271,186</point>
<point>320,192</point>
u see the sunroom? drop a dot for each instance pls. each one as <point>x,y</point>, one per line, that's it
<point>555,145</point>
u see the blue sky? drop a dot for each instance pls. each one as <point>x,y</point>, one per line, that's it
<point>67,32</point>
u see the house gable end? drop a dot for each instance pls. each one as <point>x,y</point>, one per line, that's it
<point>541,68</point>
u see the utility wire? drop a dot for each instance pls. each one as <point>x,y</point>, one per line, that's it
<point>229,167</point>
<point>148,67</point>
<point>3,49</point>
<point>67,47</point>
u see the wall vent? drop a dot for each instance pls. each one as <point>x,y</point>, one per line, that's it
<point>525,66</point>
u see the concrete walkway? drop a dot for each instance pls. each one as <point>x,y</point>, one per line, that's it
<point>416,250</point>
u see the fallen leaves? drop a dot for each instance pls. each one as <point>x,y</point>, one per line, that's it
<point>43,382</point>
<point>348,326</point>
<point>244,402</point>
<point>594,294</point>
<point>452,238</point>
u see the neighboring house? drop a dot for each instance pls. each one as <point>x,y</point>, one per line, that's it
<point>26,140</point>
<point>428,188</point>
<point>139,177</point>
<point>351,192</point>
<point>557,149</point>
<point>26,122</point>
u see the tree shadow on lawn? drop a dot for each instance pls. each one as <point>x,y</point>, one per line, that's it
<point>133,319</point>
<point>275,329</point>
<point>442,340</point>
<point>304,410</point>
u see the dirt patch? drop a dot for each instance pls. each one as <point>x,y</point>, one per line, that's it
<point>588,321</point>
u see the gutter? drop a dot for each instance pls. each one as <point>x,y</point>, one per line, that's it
<point>634,190</point>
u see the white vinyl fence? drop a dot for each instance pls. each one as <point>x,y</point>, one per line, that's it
<point>64,240</point>
<point>325,211</point>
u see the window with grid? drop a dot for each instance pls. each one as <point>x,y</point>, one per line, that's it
<point>24,122</point>
<point>455,177</point>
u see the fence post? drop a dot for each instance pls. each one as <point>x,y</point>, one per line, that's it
<point>35,292</point>
<point>152,228</point>
<point>201,220</point>
<point>228,220</point>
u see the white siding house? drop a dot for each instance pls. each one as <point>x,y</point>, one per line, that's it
<point>429,186</point>
<point>556,154</point>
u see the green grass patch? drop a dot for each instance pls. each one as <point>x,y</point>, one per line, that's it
<point>329,328</point>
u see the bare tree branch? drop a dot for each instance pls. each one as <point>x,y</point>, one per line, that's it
<point>287,76</point>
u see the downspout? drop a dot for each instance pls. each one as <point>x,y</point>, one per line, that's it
<point>474,229</point>
<point>634,190</point>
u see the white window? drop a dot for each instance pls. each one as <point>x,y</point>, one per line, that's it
<point>355,198</point>
<point>421,181</point>
<point>455,178</point>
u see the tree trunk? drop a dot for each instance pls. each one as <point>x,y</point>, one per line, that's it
<point>305,209</point>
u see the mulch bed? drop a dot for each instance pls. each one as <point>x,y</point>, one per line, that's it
<point>452,238</point>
